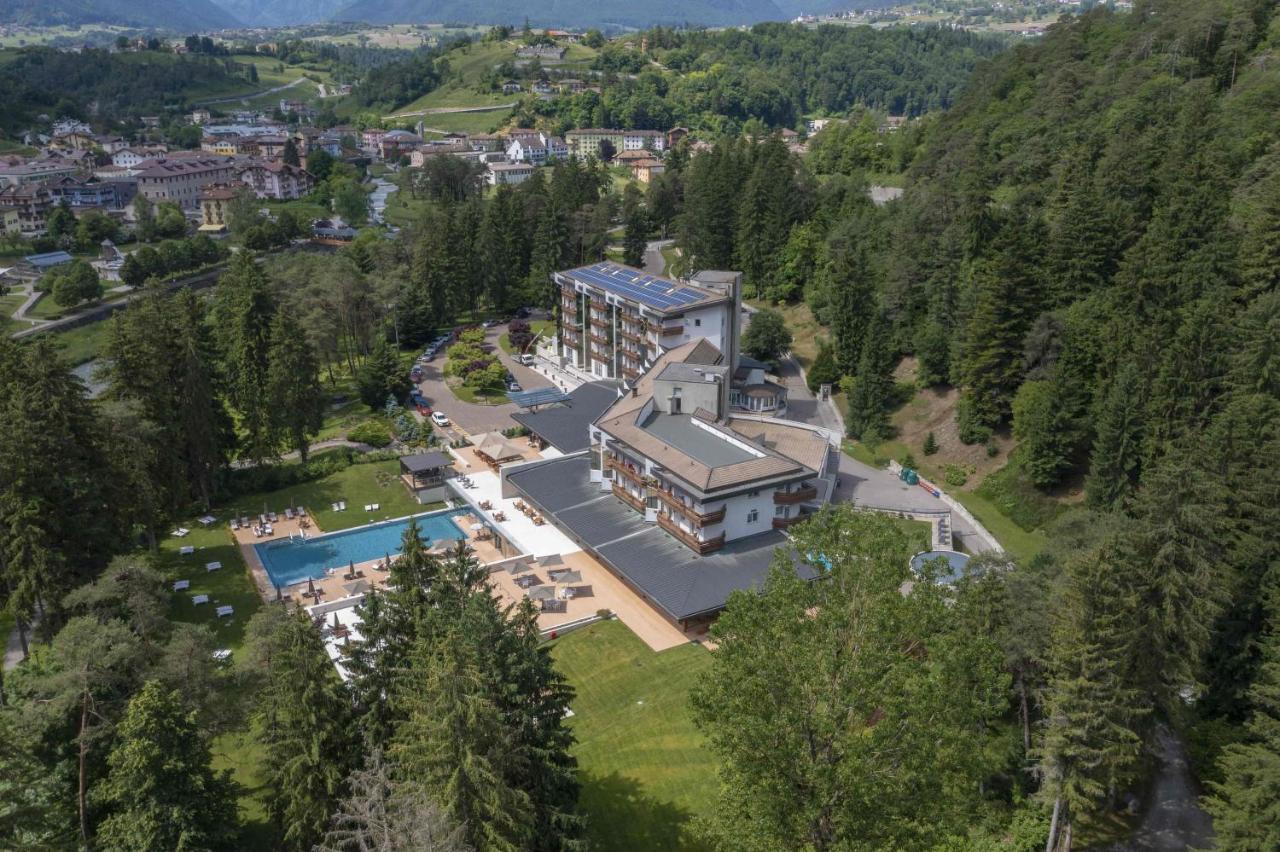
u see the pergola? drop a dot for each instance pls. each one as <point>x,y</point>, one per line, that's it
<point>495,449</point>
<point>425,469</point>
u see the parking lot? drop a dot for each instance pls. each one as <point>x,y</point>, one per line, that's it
<point>470,417</point>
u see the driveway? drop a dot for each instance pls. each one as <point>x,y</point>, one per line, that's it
<point>654,262</point>
<point>467,416</point>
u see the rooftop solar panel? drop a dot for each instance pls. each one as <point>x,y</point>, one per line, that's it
<point>648,290</point>
<point>540,396</point>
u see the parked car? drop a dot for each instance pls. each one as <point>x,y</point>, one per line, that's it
<point>522,313</point>
<point>527,359</point>
<point>423,408</point>
<point>439,418</point>
<point>490,323</point>
<point>514,386</point>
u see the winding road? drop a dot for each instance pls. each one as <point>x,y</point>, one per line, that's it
<point>251,95</point>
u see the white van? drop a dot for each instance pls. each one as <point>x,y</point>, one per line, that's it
<point>527,359</point>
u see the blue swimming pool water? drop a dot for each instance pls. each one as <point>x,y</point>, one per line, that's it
<point>288,562</point>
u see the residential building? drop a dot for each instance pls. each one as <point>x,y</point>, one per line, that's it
<point>268,145</point>
<point>10,223</point>
<point>674,135</point>
<point>215,208</point>
<point>63,126</point>
<point>199,116</point>
<point>275,179</point>
<point>485,142</point>
<point>645,169</point>
<point>752,388</point>
<point>371,139</point>
<point>181,180</point>
<point>149,121</point>
<point>586,142</point>
<point>301,109</point>
<point>498,174</point>
<point>111,144</point>
<point>542,87</point>
<point>815,125</point>
<point>32,203</point>
<point>395,143</point>
<point>616,321</point>
<point>92,191</point>
<point>511,87</point>
<point>135,154</point>
<point>36,171</point>
<point>223,146</point>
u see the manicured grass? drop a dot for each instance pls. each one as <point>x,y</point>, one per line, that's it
<point>919,533</point>
<point>9,304</point>
<point>359,485</point>
<point>46,308</point>
<point>469,394</point>
<point>83,343</point>
<point>1023,545</point>
<point>302,208</point>
<point>466,122</point>
<point>642,763</point>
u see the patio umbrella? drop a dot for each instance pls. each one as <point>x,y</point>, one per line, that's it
<point>569,577</point>
<point>337,625</point>
<point>351,570</point>
<point>311,587</point>
<point>541,593</point>
<point>551,560</point>
<point>359,587</point>
<point>518,567</point>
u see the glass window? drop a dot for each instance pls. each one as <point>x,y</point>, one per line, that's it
<point>753,516</point>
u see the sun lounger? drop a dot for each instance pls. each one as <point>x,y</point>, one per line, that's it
<point>302,513</point>
<point>225,611</point>
<point>272,517</point>
<point>235,523</point>
<point>342,505</point>
<point>207,520</point>
<point>222,655</point>
<point>180,532</point>
<point>288,513</point>
<point>186,550</point>
<point>181,585</point>
<point>212,566</point>
<point>199,599</point>
<point>262,519</point>
<point>368,507</point>
<point>244,520</point>
<point>375,507</point>
<point>268,530</point>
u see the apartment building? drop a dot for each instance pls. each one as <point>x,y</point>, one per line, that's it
<point>586,142</point>
<point>615,320</point>
<point>275,179</point>
<point>181,180</point>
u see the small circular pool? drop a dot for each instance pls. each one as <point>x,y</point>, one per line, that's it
<point>954,569</point>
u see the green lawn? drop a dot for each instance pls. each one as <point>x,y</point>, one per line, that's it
<point>83,343</point>
<point>466,122</point>
<point>9,304</point>
<point>358,485</point>
<point>46,308</point>
<point>1023,545</point>
<point>468,394</point>
<point>642,763</point>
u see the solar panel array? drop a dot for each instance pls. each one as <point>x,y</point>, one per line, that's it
<point>540,396</point>
<point>661,293</point>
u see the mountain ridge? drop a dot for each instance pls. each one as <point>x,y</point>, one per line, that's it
<point>177,15</point>
<point>616,13</point>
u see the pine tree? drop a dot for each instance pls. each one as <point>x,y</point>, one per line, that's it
<point>161,790</point>
<point>1245,804</point>
<point>290,155</point>
<point>930,444</point>
<point>381,375</point>
<point>546,256</point>
<point>1078,258</point>
<point>867,417</point>
<point>1046,433</point>
<point>851,292</point>
<point>243,314</point>
<point>636,238</point>
<point>293,377</point>
<point>303,725</point>
<point>1117,446</point>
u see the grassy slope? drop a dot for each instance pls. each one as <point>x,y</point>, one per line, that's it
<point>643,767</point>
<point>358,485</point>
<point>9,304</point>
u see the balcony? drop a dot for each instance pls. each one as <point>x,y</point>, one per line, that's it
<point>615,463</point>
<point>790,498</point>
<point>627,497</point>
<point>603,341</point>
<point>598,322</point>
<point>569,309</point>
<point>669,330</point>
<point>784,523</point>
<point>691,514</point>
<point>624,332</point>
<point>630,373</point>
<point>702,548</point>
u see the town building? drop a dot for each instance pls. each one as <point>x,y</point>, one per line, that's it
<point>182,180</point>
<point>10,223</point>
<point>215,208</point>
<point>586,142</point>
<point>275,179</point>
<point>395,143</point>
<point>535,147</point>
<point>199,116</point>
<point>92,191</point>
<point>511,87</point>
<point>674,135</point>
<point>498,174</point>
<point>31,202</point>
<point>617,320</point>
<point>644,170</point>
<point>135,154</point>
<point>36,171</point>
<point>371,139</point>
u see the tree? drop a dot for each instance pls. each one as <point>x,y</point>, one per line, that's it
<point>867,416</point>
<point>381,375</point>
<point>302,724</point>
<point>290,153</point>
<point>1045,431</point>
<point>161,789</point>
<point>77,283</point>
<point>1115,463</point>
<point>877,706</point>
<point>767,338</point>
<point>350,201</point>
<point>61,222</point>
<point>243,312</point>
<point>293,378</point>
<point>823,370</point>
<point>930,444</point>
<point>1245,803</point>
<point>384,815</point>
<point>636,238</point>
<point>850,288</point>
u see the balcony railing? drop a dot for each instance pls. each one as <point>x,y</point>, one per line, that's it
<point>627,497</point>
<point>614,463</point>
<point>603,341</point>
<point>702,519</point>
<point>800,495</point>
<point>630,373</point>
<point>669,330</point>
<point>599,322</point>
<point>629,335</point>
<point>783,523</point>
<point>702,548</point>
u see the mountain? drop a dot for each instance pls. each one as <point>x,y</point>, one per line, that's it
<point>281,13</point>
<point>177,15</point>
<point>569,13</point>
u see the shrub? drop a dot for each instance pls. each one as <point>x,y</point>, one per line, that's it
<point>908,460</point>
<point>375,433</point>
<point>955,476</point>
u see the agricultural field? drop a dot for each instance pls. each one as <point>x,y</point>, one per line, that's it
<point>398,36</point>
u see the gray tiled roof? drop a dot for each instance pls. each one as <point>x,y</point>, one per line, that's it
<point>565,427</point>
<point>664,571</point>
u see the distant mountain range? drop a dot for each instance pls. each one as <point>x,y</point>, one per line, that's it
<point>176,15</point>
<point>186,16</point>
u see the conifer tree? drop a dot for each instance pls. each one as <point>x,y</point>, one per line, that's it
<point>851,291</point>
<point>1117,446</point>
<point>636,237</point>
<point>293,375</point>
<point>161,789</point>
<point>1045,431</point>
<point>243,313</point>
<point>303,725</point>
<point>867,416</point>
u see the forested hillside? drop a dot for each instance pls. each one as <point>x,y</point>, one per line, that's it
<point>1088,248</point>
<point>181,15</point>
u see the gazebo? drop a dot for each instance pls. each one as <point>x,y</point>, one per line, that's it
<point>424,474</point>
<point>494,448</point>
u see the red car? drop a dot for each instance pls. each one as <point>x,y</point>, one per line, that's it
<point>424,409</point>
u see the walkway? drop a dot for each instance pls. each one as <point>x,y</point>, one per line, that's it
<point>1174,819</point>
<point>654,262</point>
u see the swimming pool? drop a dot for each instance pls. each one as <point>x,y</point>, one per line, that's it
<point>288,562</point>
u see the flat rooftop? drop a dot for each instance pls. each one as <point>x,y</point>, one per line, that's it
<point>635,285</point>
<point>566,425</point>
<point>666,573</point>
<point>698,443</point>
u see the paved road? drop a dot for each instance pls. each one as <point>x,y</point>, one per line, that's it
<point>1174,820</point>
<point>251,95</point>
<point>470,417</point>
<point>654,262</point>
<point>448,110</point>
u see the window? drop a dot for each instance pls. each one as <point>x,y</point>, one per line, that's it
<point>697,322</point>
<point>753,516</point>
<point>780,511</point>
